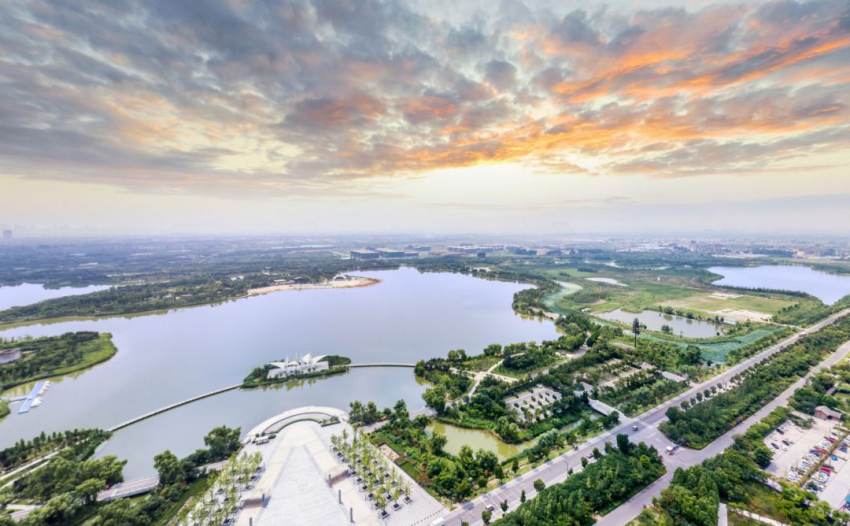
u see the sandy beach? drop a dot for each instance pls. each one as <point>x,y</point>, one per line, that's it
<point>347,284</point>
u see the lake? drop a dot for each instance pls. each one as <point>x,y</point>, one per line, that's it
<point>29,293</point>
<point>829,288</point>
<point>654,320</point>
<point>167,357</point>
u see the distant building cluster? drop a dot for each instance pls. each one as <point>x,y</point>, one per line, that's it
<point>303,365</point>
<point>10,355</point>
<point>381,253</point>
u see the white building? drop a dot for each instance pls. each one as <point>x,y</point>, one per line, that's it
<point>306,364</point>
<point>10,355</point>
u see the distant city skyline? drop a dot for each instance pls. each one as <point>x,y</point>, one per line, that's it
<point>426,116</point>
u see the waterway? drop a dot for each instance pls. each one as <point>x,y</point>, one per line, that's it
<point>829,288</point>
<point>566,289</point>
<point>29,293</point>
<point>654,320</point>
<point>167,357</point>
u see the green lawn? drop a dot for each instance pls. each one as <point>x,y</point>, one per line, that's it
<point>712,303</point>
<point>635,297</point>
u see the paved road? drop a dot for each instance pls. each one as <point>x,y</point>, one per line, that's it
<point>557,469</point>
<point>686,458</point>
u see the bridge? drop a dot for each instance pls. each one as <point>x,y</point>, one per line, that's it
<point>172,406</point>
<point>381,364</point>
<point>232,388</point>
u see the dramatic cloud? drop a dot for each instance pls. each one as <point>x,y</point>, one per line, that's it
<point>293,97</point>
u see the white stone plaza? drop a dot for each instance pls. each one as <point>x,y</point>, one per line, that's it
<point>293,488</point>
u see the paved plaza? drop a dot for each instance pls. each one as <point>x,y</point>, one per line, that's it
<point>294,483</point>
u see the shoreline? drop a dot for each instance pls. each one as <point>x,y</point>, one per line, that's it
<point>347,284</point>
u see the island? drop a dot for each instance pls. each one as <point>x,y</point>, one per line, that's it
<point>301,368</point>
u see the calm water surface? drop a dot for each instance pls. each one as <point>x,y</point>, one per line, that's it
<point>457,437</point>
<point>29,293</point>
<point>654,320</point>
<point>165,358</point>
<point>829,288</point>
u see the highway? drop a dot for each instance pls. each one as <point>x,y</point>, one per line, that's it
<point>556,470</point>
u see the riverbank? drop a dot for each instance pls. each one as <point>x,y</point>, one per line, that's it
<point>345,284</point>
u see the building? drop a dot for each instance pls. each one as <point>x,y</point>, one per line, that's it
<point>390,253</point>
<point>7,234</point>
<point>825,413</point>
<point>10,355</point>
<point>304,365</point>
<point>364,254</point>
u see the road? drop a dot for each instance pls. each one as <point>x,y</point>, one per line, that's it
<point>556,470</point>
<point>686,458</point>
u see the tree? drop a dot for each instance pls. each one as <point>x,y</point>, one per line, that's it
<point>623,443</point>
<point>436,398</point>
<point>504,506</point>
<point>636,329</point>
<point>522,497</point>
<point>401,414</point>
<point>88,490</point>
<point>515,465</point>
<point>539,485</point>
<point>486,515</point>
<point>222,441</point>
<point>437,443</point>
<point>169,468</point>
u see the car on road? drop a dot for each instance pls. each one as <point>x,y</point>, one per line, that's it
<point>635,427</point>
<point>490,508</point>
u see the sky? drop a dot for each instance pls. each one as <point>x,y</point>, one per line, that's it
<point>425,116</point>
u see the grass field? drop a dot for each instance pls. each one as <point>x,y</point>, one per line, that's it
<point>635,297</point>
<point>711,303</point>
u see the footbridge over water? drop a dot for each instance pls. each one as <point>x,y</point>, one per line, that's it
<point>237,386</point>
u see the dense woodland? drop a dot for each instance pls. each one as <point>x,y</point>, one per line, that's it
<point>68,484</point>
<point>602,485</point>
<point>26,450</point>
<point>425,459</point>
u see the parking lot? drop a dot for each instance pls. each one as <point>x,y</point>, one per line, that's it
<point>796,451</point>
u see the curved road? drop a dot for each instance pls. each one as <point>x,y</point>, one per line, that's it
<point>556,470</point>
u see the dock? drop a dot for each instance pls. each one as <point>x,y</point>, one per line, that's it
<point>25,407</point>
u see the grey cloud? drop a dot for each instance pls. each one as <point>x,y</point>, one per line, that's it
<point>500,74</point>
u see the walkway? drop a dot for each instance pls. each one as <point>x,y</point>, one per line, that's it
<point>381,364</point>
<point>173,406</point>
<point>131,488</point>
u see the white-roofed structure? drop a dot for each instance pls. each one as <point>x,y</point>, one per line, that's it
<point>303,365</point>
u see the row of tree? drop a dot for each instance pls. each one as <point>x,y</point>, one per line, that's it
<point>612,478</point>
<point>704,422</point>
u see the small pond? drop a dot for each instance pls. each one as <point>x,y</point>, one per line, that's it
<point>654,320</point>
